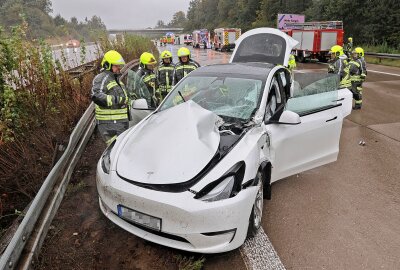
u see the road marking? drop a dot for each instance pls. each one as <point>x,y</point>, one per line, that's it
<point>387,73</point>
<point>259,254</point>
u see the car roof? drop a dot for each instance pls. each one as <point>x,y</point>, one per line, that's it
<point>253,70</point>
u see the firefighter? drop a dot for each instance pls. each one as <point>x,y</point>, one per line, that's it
<point>348,47</point>
<point>356,77</point>
<point>338,65</point>
<point>165,73</point>
<point>292,63</point>
<point>147,75</point>
<point>361,59</point>
<point>185,65</point>
<point>110,98</point>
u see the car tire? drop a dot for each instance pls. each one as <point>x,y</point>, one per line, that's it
<point>256,211</point>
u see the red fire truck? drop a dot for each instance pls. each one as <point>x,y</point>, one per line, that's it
<point>315,38</point>
<point>224,38</point>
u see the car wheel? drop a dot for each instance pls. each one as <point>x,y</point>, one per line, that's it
<point>256,212</point>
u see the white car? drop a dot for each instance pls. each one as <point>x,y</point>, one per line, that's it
<point>192,175</point>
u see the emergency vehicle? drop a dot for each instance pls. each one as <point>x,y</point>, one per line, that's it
<point>201,39</point>
<point>163,41</point>
<point>187,39</point>
<point>170,38</point>
<point>224,38</point>
<point>315,38</point>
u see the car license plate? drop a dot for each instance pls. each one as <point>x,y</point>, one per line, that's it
<point>139,218</point>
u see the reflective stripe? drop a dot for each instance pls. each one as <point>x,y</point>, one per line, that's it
<point>111,114</point>
<point>186,66</point>
<point>149,77</point>
<point>166,68</point>
<point>167,79</point>
<point>111,117</point>
<point>111,140</point>
<point>111,85</point>
<point>109,100</point>
<point>101,111</point>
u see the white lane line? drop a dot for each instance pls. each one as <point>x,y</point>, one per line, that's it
<point>386,73</point>
<point>259,254</point>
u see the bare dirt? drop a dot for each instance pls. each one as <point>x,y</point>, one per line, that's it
<point>81,237</point>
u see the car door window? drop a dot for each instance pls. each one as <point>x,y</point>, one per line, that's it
<point>276,96</point>
<point>313,92</point>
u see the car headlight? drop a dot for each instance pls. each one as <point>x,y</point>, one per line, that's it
<point>225,187</point>
<point>106,158</point>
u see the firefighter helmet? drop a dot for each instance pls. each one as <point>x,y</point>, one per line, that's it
<point>350,39</point>
<point>112,58</point>
<point>147,59</point>
<point>183,52</point>
<point>360,51</point>
<point>336,50</point>
<point>166,54</point>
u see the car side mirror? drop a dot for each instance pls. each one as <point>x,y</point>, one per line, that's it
<point>287,118</point>
<point>140,104</point>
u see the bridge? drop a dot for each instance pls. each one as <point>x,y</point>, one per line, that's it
<point>148,32</point>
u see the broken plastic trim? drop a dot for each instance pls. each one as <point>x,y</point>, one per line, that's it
<point>237,171</point>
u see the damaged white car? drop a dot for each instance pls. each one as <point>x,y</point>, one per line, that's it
<point>192,175</point>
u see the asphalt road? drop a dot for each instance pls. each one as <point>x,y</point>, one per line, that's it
<point>346,215</point>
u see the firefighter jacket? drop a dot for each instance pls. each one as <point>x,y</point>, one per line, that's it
<point>355,71</point>
<point>152,95</point>
<point>363,64</point>
<point>183,69</point>
<point>110,98</point>
<point>165,76</point>
<point>339,66</point>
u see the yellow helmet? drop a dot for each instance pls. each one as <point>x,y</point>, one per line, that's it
<point>350,39</point>
<point>337,50</point>
<point>166,54</point>
<point>360,51</point>
<point>147,59</point>
<point>112,58</point>
<point>183,52</point>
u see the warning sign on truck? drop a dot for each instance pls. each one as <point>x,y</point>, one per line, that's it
<point>289,18</point>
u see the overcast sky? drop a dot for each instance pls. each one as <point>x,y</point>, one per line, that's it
<point>121,14</point>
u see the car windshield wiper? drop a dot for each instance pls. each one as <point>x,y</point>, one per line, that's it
<point>179,92</point>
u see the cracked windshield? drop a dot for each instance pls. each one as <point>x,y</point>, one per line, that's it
<point>225,96</point>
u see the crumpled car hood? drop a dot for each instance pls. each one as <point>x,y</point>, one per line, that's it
<point>171,146</point>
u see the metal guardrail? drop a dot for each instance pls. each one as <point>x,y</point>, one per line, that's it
<point>383,55</point>
<point>30,234</point>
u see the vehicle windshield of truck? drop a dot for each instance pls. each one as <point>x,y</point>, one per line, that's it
<point>228,97</point>
<point>263,47</point>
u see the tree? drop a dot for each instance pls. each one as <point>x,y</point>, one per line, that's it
<point>178,20</point>
<point>160,24</point>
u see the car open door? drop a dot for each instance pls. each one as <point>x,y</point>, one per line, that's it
<point>265,45</point>
<point>313,140</point>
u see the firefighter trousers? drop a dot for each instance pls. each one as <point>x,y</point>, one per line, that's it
<point>356,89</point>
<point>110,131</point>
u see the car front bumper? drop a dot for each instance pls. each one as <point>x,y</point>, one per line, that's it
<point>186,223</point>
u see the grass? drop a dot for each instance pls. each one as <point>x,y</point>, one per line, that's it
<point>382,48</point>
<point>72,189</point>
<point>189,263</point>
<point>382,61</point>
